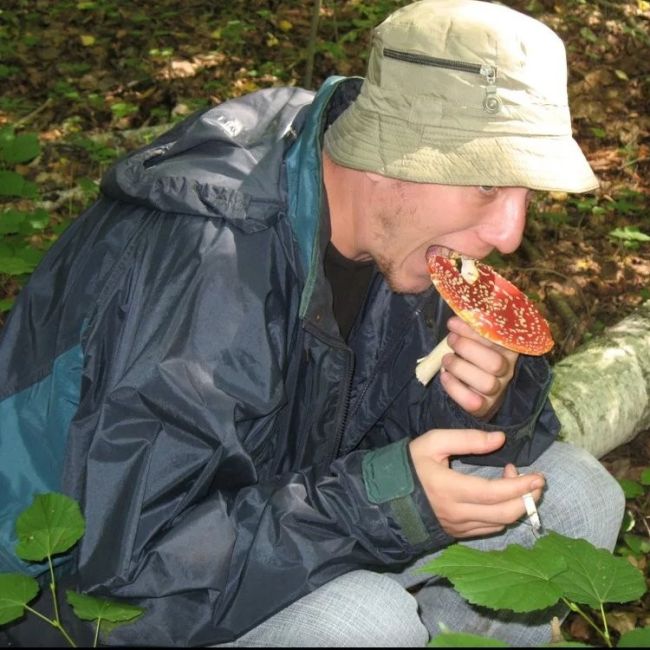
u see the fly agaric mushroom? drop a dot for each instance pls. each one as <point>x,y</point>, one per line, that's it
<point>494,307</point>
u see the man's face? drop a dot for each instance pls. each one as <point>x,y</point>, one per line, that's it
<point>403,219</point>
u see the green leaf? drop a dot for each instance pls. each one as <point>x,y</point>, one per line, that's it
<point>639,638</point>
<point>515,578</point>
<point>629,233</point>
<point>593,575</point>
<point>645,476</point>
<point>16,590</point>
<point>11,183</point>
<point>639,545</point>
<point>11,221</point>
<point>6,304</point>
<point>90,608</point>
<point>462,640</point>
<point>15,265</point>
<point>588,35</point>
<point>21,149</point>
<point>631,489</point>
<point>51,525</point>
<point>38,219</point>
<point>6,135</point>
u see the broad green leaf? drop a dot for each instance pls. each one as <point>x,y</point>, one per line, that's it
<point>515,578</point>
<point>631,489</point>
<point>29,190</point>
<point>462,640</point>
<point>645,476</point>
<point>567,644</point>
<point>639,638</point>
<point>38,219</point>
<point>593,575</point>
<point>15,266</point>
<point>11,183</point>
<point>6,304</point>
<point>51,525</point>
<point>11,221</point>
<point>16,590</point>
<point>29,254</point>
<point>90,608</point>
<point>21,149</point>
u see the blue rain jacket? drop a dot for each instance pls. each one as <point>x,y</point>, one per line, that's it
<point>174,365</point>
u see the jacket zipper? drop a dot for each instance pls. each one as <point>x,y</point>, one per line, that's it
<point>491,101</point>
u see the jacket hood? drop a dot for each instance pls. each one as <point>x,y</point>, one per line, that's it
<point>204,165</point>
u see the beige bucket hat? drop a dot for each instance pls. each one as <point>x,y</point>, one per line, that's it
<point>464,92</point>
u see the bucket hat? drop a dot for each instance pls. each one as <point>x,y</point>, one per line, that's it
<point>464,92</point>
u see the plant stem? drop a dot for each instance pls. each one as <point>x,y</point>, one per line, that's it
<point>602,614</point>
<point>45,618</point>
<point>576,608</point>
<point>57,622</point>
<point>53,590</point>
<point>96,639</point>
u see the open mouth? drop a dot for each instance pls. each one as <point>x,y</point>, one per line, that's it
<point>440,251</point>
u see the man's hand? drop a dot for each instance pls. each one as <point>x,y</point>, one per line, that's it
<point>477,375</point>
<point>465,505</point>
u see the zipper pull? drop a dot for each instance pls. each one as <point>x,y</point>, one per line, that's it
<point>491,101</point>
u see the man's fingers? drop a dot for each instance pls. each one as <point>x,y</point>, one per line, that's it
<point>481,354</point>
<point>500,514</point>
<point>439,444</point>
<point>476,490</point>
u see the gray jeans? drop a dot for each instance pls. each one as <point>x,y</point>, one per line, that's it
<point>405,609</point>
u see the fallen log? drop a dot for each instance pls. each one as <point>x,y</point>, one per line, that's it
<point>601,392</point>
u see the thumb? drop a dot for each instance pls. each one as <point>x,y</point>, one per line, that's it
<point>458,442</point>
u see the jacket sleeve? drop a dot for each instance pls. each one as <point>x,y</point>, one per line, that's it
<point>183,374</point>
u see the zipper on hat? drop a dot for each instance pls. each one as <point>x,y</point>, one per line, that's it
<point>491,101</point>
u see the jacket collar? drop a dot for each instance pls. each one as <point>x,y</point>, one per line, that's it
<point>303,164</point>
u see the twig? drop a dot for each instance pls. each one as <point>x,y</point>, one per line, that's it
<point>311,45</point>
<point>563,308</point>
<point>24,120</point>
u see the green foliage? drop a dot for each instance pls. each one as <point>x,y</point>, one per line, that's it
<point>460,640</point>
<point>18,255</point>
<point>516,578</point>
<point>51,525</point>
<point>555,569</point>
<point>16,590</point>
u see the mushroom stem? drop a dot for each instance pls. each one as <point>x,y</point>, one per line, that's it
<point>428,366</point>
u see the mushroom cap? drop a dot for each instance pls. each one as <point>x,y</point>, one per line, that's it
<point>494,307</point>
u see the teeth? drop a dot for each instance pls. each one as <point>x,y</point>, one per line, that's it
<point>440,251</point>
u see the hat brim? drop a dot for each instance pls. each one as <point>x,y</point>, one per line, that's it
<point>369,141</point>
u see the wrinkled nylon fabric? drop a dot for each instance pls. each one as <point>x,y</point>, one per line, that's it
<point>218,438</point>
<point>33,429</point>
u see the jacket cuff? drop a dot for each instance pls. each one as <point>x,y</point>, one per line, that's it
<point>391,482</point>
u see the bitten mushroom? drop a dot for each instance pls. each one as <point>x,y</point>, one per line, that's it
<point>494,307</point>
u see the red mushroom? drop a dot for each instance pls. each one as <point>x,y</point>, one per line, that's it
<point>494,307</point>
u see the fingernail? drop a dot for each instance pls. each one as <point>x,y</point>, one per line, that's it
<point>537,483</point>
<point>452,338</point>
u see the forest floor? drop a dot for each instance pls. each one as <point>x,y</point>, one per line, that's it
<point>94,79</point>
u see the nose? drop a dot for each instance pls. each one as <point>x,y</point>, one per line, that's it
<point>505,228</point>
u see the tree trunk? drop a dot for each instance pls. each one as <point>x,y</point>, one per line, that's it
<point>601,393</point>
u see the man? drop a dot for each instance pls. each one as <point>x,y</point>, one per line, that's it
<point>224,345</point>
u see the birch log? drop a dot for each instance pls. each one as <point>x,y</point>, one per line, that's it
<point>601,393</point>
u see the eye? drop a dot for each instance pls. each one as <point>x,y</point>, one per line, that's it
<point>487,189</point>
